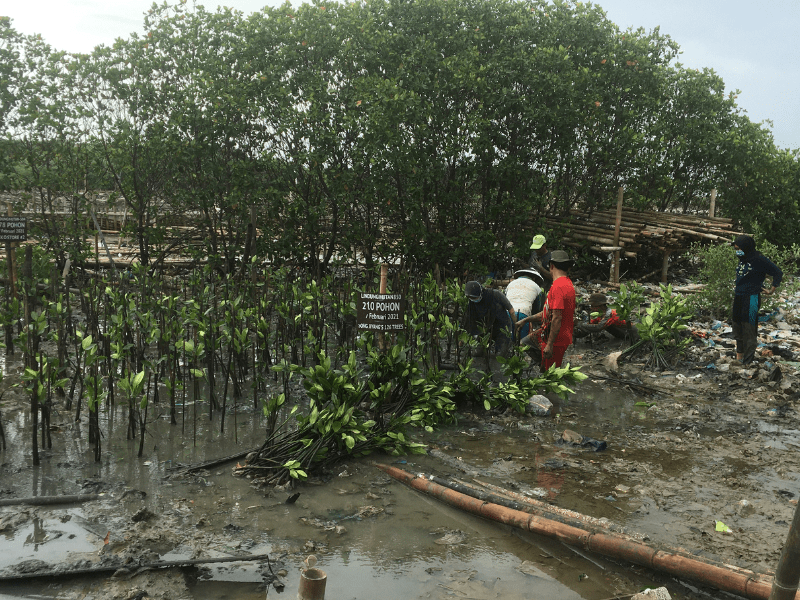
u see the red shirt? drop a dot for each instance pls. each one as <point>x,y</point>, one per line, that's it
<point>560,297</point>
<point>610,318</point>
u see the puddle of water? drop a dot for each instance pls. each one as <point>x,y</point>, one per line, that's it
<point>42,538</point>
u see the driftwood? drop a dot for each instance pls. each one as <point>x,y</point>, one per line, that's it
<point>209,464</point>
<point>133,568</point>
<point>48,500</point>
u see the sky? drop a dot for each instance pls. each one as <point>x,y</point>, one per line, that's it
<point>753,46</point>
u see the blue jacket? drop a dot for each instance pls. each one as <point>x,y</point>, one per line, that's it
<point>753,268</point>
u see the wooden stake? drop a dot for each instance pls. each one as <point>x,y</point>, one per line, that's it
<point>11,257</point>
<point>665,265</point>
<point>712,206</point>
<point>618,222</point>
<point>384,275</point>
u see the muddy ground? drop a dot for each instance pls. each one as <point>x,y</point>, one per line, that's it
<point>686,449</point>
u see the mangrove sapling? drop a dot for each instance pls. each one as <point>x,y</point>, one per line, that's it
<point>349,415</point>
<point>241,345</point>
<point>34,379</point>
<point>402,380</point>
<point>262,359</point>
<point>132,385</point>
<point>169,334</point>
<point>629,301</point>
<point>518,389</point>
<point>424,312</point>
<point>196,352</point>
<point>226,339</point>
<point>271,409</point>
<point>92,383</point>
<point>151,334</point>
<point>39,380</point>
<point>343,310</point>
<point>453,309</point>
<point>661,329</point>
<point>212,343</point>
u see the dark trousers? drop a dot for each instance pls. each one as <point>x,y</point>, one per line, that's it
<point>746,335</point>
<point>744,318</point>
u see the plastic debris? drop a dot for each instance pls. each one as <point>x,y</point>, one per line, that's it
<point>768,316</point>
<point>720,526</point>
<point>653,594</point>
<point>573,438</point>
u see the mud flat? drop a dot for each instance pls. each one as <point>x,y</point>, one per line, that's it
<point>686,450</point>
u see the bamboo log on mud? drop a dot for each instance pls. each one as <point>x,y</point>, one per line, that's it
<point>529,505</point>
<point>133,568</point>
<point>48,500</point>
<point>739,582</point>
<point>583,521</point>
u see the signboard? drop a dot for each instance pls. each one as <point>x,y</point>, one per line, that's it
<point>381,312</point>
<point>13,229</point>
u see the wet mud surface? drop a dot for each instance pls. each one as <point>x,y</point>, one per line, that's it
<point>685,450</point>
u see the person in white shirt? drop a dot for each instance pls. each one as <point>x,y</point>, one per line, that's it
<point>522,293</point>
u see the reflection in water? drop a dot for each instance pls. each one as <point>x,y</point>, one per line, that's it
<point>38,535</point>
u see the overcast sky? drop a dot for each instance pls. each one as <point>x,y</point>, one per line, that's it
<point>753,46</point>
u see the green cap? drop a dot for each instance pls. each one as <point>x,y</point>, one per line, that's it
<point>538,242</point>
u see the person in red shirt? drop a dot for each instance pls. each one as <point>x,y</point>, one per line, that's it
<point>558,316</point>
<point>606,319</point>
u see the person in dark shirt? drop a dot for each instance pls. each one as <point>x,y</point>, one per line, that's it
<point>751,272</point>
<point>489,311</point>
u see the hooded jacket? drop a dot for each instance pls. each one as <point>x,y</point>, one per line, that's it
<point>753,268</point>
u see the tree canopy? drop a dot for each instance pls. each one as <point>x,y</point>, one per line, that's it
<point>439,131</point>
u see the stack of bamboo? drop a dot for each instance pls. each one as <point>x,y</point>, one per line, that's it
<point>639,230</point>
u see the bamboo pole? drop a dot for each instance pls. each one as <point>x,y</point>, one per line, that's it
<point>787,575</point>
<point>743,584</point>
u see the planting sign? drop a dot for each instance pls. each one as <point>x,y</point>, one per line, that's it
<point>13,229</point>
<point>381,312</point>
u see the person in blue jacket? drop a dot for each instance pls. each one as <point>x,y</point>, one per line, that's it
<point>751,271</point>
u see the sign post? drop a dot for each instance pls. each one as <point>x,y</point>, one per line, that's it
<point>381,312</point>
<point>12,229</point>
